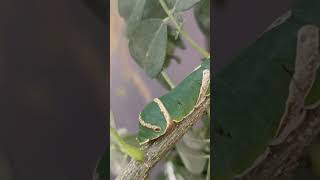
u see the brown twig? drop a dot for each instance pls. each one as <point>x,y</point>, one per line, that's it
<point>159,148</point>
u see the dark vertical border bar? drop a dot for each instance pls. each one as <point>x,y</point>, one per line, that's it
<point>212,54</point>
<point>53,108</point>
<point>108,87</point>
<point>101,8</point>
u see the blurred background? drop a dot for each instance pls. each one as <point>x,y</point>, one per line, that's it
<point>53,90</point>
<point>237,24</point>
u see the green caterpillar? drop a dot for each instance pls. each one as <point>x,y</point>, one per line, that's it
<point>174,106</point>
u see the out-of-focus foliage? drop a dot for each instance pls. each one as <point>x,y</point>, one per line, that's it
<point>258,95</point>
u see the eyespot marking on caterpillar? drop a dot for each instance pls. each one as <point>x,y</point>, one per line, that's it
<point>148,125</point>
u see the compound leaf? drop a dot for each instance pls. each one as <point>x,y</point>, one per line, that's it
<point>148,44</point>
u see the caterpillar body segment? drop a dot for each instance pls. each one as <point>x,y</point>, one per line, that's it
<point>176,105</point>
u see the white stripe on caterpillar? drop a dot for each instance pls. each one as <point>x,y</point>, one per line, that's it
<point>204,86</point>
<point>148,125</point>
<point>164,110</point>
<point>196,68</point>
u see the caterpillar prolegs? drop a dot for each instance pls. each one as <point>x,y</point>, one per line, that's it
<point>176,105</point>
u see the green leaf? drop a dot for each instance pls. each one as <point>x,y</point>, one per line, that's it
<point>181,5</point>
<point>135,16</point>
<point>125,8</point>
<point>174,41</point>
<point>202,14</point>
<point>132,12</point>
<point>148,44</point>
<point>153,10</point>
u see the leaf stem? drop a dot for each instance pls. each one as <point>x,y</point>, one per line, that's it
<point>167,79</point>
<point>195,46</point>
<point>115,134</point>
<point>132,151</point>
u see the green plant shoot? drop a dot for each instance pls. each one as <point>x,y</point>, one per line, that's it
<point>126,148</point>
